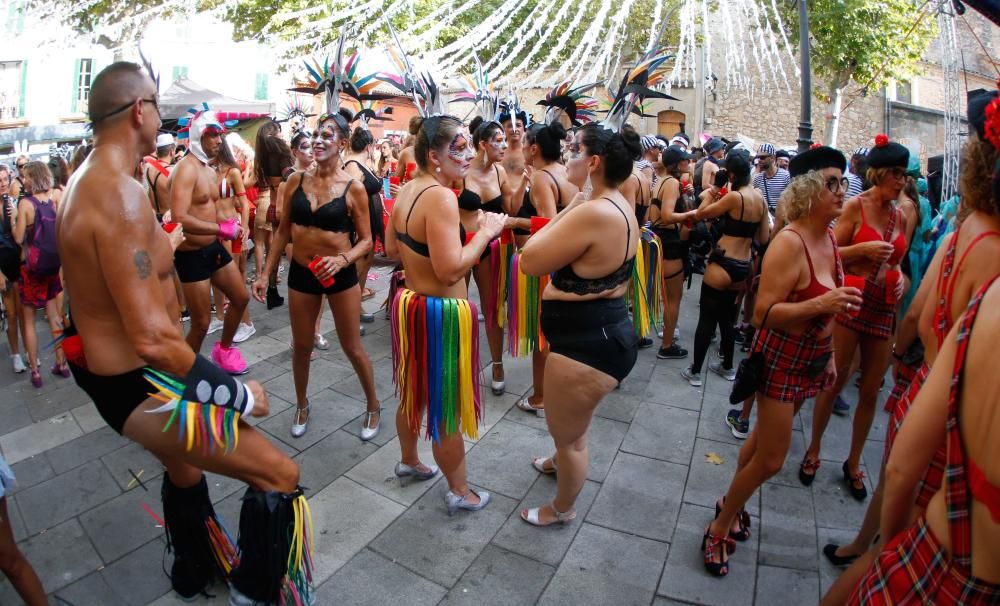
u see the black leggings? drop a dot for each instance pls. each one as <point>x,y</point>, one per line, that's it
<point>718,308</point>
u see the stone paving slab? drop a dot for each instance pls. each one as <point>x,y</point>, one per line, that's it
<point>649,494</point>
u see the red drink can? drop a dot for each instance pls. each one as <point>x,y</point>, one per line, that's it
<point>892,278</point>
<point>855,282</point>
<point>314,267</point>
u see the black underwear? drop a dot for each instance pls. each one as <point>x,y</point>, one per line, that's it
<point>199,265</point>
<point>115,396</point>
<point>597,333</point>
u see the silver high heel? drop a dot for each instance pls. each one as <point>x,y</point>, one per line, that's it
<point>405,471</point>
<point>455,502</point>
<point>497,386</point>
<point>531,516</point>
<point>367,433</point>
<point>299,429</point>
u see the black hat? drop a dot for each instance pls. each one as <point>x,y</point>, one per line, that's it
<point>673,154</point>
<point>888,154</point>
<point>713,145</point>
<point>817,159</point>
<point>782,153</point>
<point>976,109</point>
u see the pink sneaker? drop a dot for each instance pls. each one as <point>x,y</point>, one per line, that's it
<point>229,359</point>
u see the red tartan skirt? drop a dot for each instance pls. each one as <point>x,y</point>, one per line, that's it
<point>786,362</point>
<point>877,318</point>
<point>915,569</point>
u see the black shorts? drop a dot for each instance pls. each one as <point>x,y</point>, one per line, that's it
<point>597,333</point>
<point>115,396</point>
<point>302,279</point>
<point>199,265</point>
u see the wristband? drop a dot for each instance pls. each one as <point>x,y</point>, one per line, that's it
<point>229,229</point>
<point>346,260</point>
<point>207,403</point>
<point>538,223</point>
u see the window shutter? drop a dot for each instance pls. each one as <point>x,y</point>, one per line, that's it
<point>261,91</point>
<point>75,88</point>
<point>24,88</point>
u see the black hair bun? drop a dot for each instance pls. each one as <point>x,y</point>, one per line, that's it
<point>347,114</point>
<point>475,123</point>
<point>558,131</point>
<point>721,178</point>
<point>632,142</point>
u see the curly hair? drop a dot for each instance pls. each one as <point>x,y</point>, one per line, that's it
<point>796,201</point>
<point>975,183</point>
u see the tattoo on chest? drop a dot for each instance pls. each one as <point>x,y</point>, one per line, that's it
<point>143,264</point>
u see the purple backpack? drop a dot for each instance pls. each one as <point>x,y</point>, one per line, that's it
<point>43,252</point>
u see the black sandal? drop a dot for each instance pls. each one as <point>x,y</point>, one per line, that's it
<point>807,465</point>
<point>742,517</point>
<point>858,493</point>
<point>709,542</point>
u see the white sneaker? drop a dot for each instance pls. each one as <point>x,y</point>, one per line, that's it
<point>244,332</point>
<point>215,325</point>
<point>728,374</point>
<point>18,363</point>
<point>694,378</point>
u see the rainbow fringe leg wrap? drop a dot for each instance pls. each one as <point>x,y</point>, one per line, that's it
<point>206,425</point>
<point>646,289</point>
<point>501,255</point>
<point>524,311</point>
<point>435,356</point>
<point>275,548</point>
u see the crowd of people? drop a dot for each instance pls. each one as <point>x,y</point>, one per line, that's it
<point>579,235</point>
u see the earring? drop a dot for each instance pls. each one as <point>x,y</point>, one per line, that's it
<point>438,169</point>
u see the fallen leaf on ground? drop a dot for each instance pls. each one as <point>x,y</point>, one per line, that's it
<point>714,459</point>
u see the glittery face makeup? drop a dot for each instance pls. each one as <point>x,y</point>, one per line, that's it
<point>458,156</point>
<point>576,164</point>
<point>326,142</point>
<point>498,146</point>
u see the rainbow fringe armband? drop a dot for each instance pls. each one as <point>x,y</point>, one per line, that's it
<point>206,406</point>
<point>501,253</point>
<point>646,289</point>
<point>524,309</point>
<point>435,355</point>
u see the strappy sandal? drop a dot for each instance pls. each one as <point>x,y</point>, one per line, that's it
<point>367,433</point>
<point>299,429</point>
<point>742,518</point>
<point>497,386</point>
<point>562,517</point>
<point>539,464</point>
<point>709,543</point>
<point>808,465</point>
<point>526,406</point>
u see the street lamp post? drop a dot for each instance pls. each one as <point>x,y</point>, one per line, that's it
<point>805,109</point>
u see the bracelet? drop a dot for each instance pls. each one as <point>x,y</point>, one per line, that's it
<point>346,260</point>
<point>896,355</point>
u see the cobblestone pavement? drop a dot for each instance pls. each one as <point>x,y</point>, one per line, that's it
<point>84,525</point>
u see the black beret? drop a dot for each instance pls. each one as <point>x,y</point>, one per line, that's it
<point>976,109</point>
<point>816,159</point>
<point>888,154</point>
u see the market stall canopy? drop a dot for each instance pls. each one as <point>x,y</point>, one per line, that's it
<point>184,94</point>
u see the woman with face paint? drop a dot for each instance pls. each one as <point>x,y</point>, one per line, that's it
<point>545,191</point>
<point>323,207</point>
<point>485,188</point>
<point>589,250</point>
<point>434,326</point>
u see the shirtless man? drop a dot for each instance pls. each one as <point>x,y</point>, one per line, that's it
<point>119,269</point>
<point>158,173</point>
<point>201,260</point>
<point>513,160</point>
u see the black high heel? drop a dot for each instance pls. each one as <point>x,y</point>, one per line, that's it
<point>830,551</point>
<point>807,465</point>
<point>709,542</point>
<point>742,517</point>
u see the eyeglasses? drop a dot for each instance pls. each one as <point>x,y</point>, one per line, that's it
<point>897,173</point>
<point>151,100</point>
<point>21,165</point>
<point>835,185</point>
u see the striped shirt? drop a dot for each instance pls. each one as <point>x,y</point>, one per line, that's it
<point>854,186</point>
<point>772,187</point>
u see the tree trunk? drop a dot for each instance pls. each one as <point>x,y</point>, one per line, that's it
<point>835,95</point>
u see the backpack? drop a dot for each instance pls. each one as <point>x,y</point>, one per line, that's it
<point>43,253</point>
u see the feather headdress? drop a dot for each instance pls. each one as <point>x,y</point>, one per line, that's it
<point>368,111</point>
<point>564,99</point>
<point>339,77</point>
<point>479,91</point>
<point>636,85</point>
<point>405,78</point>
<point>511,106</point>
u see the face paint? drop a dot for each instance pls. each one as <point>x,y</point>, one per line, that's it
<point>326,143</point>
<point>459,149</point>
<point>498,144</point>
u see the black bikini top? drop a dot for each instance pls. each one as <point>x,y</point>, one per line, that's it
<point>566,280</point>
<point>738,228</point>
<point>372,183</point>
<point>470,200</point>
<point>678,205</point>
<point>332,216</point>
<point>528,209</point>
<point>421,248</point>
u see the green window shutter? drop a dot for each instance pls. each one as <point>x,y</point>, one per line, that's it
<point>24,88</point>
<point>75,88</point>
<point>261,91</point>
<point>180,71</point>
<point>22,8</point>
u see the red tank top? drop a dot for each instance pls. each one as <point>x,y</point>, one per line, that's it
<point>866,233</point>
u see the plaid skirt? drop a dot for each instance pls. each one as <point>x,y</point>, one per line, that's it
<point>915,569</point>
<point>877,318</point>
<point>786,363</point>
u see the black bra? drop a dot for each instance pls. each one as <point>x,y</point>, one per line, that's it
<point>677,203</point>
<point>372,183</point>
<point>332,216</point>
<point>528,209</point>
<point>421,248</point>
<point>738,228</point>
<point>566,280</point>
<point>470,200</point>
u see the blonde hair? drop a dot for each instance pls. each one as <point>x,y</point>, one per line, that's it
<point>875,175</point>
<point>38,177</point>
<point>796,201</point>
